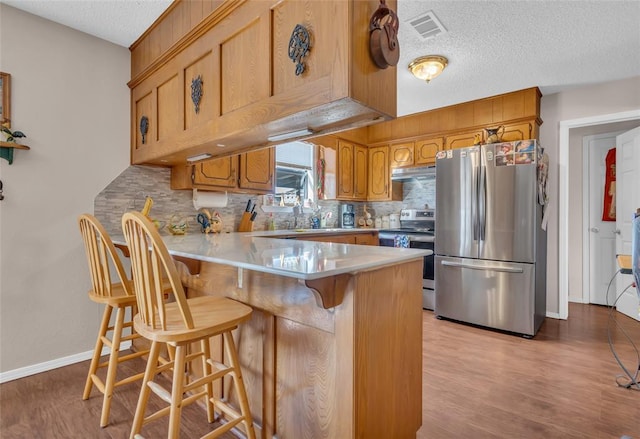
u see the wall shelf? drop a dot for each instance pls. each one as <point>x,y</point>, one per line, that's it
<point>6,150</point>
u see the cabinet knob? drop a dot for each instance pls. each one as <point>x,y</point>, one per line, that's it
<point>595,230</point>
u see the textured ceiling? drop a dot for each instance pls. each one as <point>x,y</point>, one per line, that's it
<point>493,47</point>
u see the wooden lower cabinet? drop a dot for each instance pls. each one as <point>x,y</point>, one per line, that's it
<point>363,238</point>
<point>319,373</point>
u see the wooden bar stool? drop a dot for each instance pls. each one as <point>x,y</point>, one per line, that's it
<point>101,255</point>
<point>179,324</point>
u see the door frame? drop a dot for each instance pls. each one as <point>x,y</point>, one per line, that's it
<point>586,213</point>
<point>563,195</point>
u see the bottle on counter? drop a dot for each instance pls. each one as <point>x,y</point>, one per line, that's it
<point>271,224</point>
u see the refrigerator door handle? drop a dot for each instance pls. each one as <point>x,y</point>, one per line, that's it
<point>482,203</point>
<point>482,268</point>
<point>474,202</point>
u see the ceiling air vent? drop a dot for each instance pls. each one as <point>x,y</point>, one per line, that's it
<point>427,25</point>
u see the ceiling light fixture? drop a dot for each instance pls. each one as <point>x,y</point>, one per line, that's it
<point>428,67</point>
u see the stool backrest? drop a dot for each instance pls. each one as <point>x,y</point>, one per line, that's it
<point>150,263</point>
<point>101,256</point>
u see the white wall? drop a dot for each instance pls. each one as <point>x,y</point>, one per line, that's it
<point>69,95</point>
<point>609,98</point>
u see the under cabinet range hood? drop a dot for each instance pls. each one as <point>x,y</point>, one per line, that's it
<point>420,172</point>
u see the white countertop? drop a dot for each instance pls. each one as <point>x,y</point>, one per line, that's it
<point>286,257</point>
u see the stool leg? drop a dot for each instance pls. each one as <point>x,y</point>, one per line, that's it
<point>177,390</point>
<point>239,384</point>
<point>106,316</point>
<point>149,374</point>
<point>113,367</point>
<point>206,371</point>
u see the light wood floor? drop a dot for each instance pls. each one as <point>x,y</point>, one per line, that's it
<point>561,384</point>
<point>477,384</point>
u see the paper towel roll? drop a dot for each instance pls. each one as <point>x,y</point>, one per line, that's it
<point>209,199</point>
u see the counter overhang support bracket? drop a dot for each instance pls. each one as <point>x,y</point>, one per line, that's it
<point>329,291</point>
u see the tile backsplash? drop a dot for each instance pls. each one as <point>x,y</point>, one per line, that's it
<point>129,190</point>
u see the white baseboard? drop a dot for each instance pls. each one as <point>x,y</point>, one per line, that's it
<point>580,300</point>
<point>553,315</point>
<point>53,364</point>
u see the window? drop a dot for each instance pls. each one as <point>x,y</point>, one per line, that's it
<point>295,173</point>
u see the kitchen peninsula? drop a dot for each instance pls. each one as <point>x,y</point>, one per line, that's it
<point>334,345</point>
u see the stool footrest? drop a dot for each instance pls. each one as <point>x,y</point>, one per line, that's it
<point>222,429</point>
<point>165,411</point>
<point>164,394</point>
<point>207,379</point>
<point>224,407</point>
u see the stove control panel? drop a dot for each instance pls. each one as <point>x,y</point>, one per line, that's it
<point>417,215</point>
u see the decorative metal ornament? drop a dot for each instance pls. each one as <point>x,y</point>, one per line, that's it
<point>196,92</point>
<point>299,47</point>
<point>144,128</point>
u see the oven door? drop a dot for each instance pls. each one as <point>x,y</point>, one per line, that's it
<point>425,243</point>
<point>421,241</point>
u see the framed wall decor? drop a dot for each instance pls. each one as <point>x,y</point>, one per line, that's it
<point>5,102</point>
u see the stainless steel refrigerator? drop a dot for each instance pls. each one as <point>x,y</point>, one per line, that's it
<point>490,264</point>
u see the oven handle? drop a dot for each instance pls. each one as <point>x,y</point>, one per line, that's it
<point>482,268</point>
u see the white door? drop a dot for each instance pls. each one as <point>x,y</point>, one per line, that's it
<point>627,201</point>
<point>602,238</point>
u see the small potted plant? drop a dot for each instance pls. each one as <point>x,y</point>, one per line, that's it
<point>11,136</point>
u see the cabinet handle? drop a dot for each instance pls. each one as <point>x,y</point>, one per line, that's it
<point>144,128</point>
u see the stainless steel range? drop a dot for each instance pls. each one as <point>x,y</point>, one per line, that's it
<point>417,230</point>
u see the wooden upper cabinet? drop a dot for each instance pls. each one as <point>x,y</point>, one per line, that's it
<point>352,171</point>
<point>252,172</point>
<point>426,150</point>
<point>360,161</point>
<point>218,173</point>
<point>401,154</point>
<point>257,170</point>
<point>143,111</point>
<point>234,57</point>
<point>463,140</point>
<point>346,175</point>
<point>379,174</point>
<point>520,131</point>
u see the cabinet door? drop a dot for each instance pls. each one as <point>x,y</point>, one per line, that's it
<point>401,154</point>
<point>339,239</point>
<point>345,170</point>
<point>143,102</point>
<point>427,149</point>
<point>360,172</point>
<point>367,238</point>
<point>379,176</point>
<point>218,173</point>
<point>257,170</point>
<point>463,140</point>
<point>521,131</point>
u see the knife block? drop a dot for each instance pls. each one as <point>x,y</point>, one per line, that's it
<point>246,225</point>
